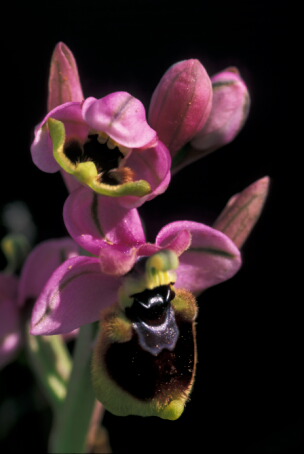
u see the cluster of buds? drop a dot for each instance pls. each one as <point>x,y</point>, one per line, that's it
<point>113,159</point>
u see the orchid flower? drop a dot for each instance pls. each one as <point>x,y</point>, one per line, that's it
<point>143,295</point>
<point>107,145</point>
<point>82,286</point>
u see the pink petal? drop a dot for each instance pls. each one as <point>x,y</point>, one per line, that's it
<point>41,263</point>
<point>74,296</point>
<point>152,165</point>
<point>70,181</point>
<point>96,221</point>
<point>212,257</point>
<point>42,146</point>
<point>147,249</point>
<point>117,260</point>
<point>120,116</point>
<point>42,150</point>
<point>178,241</point>
<point>10,319</point>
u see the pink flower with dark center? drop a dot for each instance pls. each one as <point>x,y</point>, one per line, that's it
<point>82,286</point>
<point>105,144</point>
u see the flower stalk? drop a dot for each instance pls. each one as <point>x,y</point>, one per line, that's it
<point>51,362</point>
<point>72,421</point>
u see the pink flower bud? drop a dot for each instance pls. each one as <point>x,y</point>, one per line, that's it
<point>243,211</point>
<point>230,108</point>
<point>181,103</point>
<point>64,83</point>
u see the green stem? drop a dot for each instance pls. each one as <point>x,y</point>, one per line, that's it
<point>51,362</point>
<point>72,421</point>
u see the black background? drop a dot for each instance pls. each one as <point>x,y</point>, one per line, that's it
<point>247,395</point>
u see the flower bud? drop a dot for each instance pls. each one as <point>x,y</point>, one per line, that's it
<point>181,103</point>
<point>64,83</point>
<point>230,108</point>
<point>243,211</point>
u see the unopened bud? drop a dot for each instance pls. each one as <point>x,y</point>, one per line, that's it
<point>230,108</point>
<point>64,82</point>
<point>243,211</point>
<point>181,103</point>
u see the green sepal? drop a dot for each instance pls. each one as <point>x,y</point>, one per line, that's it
<point>86,172</point>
